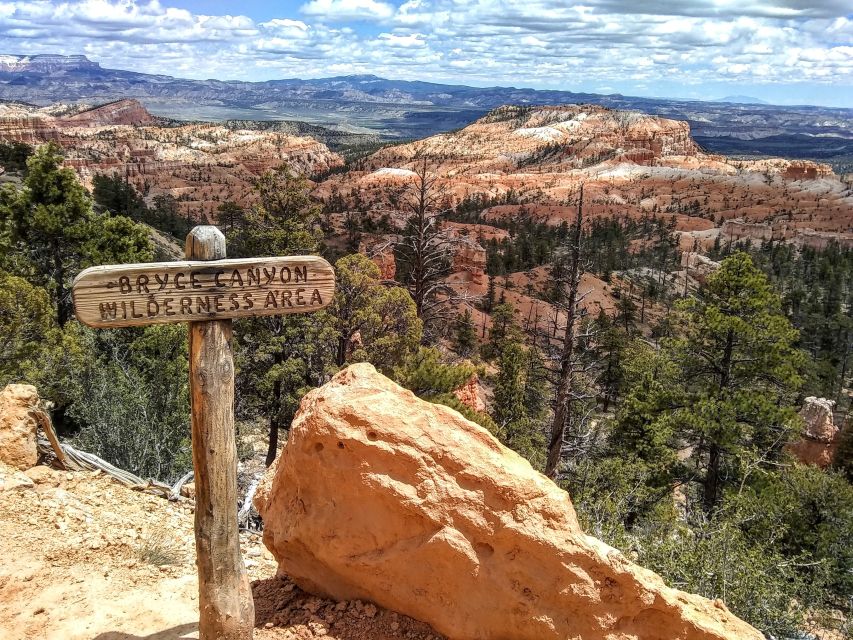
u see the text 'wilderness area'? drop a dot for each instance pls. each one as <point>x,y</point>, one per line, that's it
<point>140,294</point>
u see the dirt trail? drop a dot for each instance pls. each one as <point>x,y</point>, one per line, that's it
<point>81,558</point>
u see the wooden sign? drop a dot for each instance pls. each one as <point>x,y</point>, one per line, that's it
<point>207,291</point>
<point>140,294</point>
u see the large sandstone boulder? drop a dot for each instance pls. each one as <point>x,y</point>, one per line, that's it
<point>18,425</point>
<point>381,496</point>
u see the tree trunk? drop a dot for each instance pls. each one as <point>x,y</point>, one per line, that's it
<point>712,478</point>
<point>62,314</point>
<point>275,425</point>
<point>711,484</point>
<point>226,608</point>
<point>563,408</point>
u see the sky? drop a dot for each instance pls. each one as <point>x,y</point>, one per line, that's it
<point>781,51</point>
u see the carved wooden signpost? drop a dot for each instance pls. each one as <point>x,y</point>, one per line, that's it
<point>208,291</point>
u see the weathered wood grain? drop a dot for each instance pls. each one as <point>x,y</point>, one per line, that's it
<point>226,608</point>
<point>161,292</point>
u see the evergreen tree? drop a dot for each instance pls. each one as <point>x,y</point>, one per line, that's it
<point>50,222</point>
<point>520,401</point>
<point>428,377</point>
<point>503,328</point>
<point>278,358</point>
<point>230,217</point>
<point>465,334</point>
<point>27,327</point>
<point>737,374</point>
<point>374,322</point>
<point>626,312</point>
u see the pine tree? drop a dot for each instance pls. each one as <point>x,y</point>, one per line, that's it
<point>279,357</point>
<point>465,334</point>
<point>729,398</point>
<point>503,328</point>
<point>51,224</point>
<point>373,322</point>
<point>520,400</point>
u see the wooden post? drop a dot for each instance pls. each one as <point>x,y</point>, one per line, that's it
<point>226,608</point>
<point>207,291</point>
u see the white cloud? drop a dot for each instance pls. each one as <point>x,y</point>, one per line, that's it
<point>544,43</point>
<point>394,40</point>
<point>348,10</point>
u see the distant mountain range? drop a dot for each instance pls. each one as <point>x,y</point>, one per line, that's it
<point>741,100</point>
<point>398,109</point>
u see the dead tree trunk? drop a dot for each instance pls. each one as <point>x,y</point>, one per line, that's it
<point>563,408</point>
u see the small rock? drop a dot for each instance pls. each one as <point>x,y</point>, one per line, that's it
<point>41,474</point>
<point>15,480</point>
<point>18,425</point>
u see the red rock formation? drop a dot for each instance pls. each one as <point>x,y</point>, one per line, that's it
<point>469,256</point>
<point>820,438</point>
<point>471,394</point>
<point>806,170</point>
<point>381,250</point>
<point>631,165</point>
<point>128,112</point>
<point>202,165</point>
<point>381,496</point>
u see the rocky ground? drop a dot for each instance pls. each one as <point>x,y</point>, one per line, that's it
<point>85,558</point>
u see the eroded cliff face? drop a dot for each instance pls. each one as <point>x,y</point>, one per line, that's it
<point>381,496</point>
<point>202,165</point>
<point>532,161</point>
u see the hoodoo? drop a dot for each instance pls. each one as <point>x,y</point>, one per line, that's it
<point>381,496</point>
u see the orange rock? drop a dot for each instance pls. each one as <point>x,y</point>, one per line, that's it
<point>381,496</point>
<point>18,425</point>
<point>471,394</point>
<point>381,251</point>
<point>820,439</point>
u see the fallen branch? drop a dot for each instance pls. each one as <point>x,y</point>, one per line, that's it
<point>47,426</point>
<point>76,460</point>
<point>246,507</point>
<point>176,488</point>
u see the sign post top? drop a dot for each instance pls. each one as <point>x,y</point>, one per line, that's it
<point>206,289</point>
